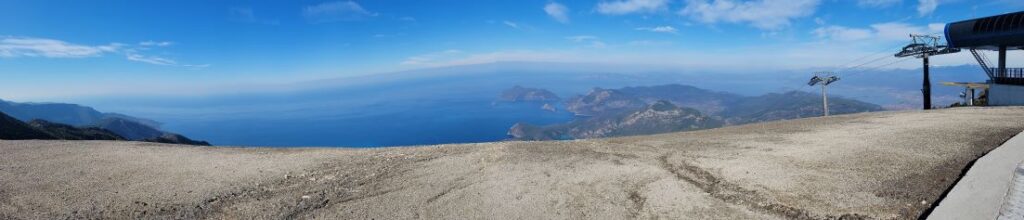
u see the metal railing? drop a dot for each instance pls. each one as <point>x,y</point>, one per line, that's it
<point>1011,76</point>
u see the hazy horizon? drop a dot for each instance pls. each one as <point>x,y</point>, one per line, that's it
<point>381,73</point>
<point>95,49</point>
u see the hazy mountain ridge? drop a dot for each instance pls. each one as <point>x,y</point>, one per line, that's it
<point>669,108</point>
<point>68,132</point>
<point>128,129</point>
<point>791,105</point>
<point>659,117</point>
<point>77,122</point>
<point>600,101</point>
<point>523,94</point>
<point>13,129</point>
<point>63,113</point>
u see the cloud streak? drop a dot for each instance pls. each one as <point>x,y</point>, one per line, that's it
<point>511,24</point>
<point>156,43</point>
<point>39,47</point>
<point>14,47</point>
<point>622,7</point>
<point>762,14</point>
<point>589,41</point>
<point>926,7</point>
<point>882,32</point>
<point>659,29</point>
<point>558,12</point>
<point>335,11</point>
<point>877,3</point>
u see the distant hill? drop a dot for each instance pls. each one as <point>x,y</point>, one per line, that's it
<point>603,101</point>
<point>170,138</point>
<point>523,94</point>
<point>128,129</point>
<point>76,122</point>
<point>63,113</point>
<point>68,132</point>
<point>671,108</point>
<point>790,105</point>
<point>659,117</point>
<point>135,131</point>
<point>14,129</point>
<point>707,101</point>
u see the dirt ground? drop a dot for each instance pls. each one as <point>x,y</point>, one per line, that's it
<point>890,165</point>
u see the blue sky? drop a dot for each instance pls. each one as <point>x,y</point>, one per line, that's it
<point>59,49</point>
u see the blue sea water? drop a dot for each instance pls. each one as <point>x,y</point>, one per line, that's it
<point>437,122</point>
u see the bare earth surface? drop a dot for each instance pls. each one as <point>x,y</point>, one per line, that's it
<point>891,165</point>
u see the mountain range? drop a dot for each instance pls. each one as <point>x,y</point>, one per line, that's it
<point>75,122</point>
<point>670,108</point>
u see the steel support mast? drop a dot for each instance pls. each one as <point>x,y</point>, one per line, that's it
<point>823,79</point>
<point>924,46</point>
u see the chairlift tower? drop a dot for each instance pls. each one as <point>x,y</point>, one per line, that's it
<point>823,79</point>
<point>924,46</point>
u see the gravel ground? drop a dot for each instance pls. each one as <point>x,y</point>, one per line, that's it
<point>890,165</point>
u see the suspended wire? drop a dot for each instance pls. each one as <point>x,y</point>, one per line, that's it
<point>864,64</point>
<point>884,55</point>
<point>900,60</point>
<point>848,64</point>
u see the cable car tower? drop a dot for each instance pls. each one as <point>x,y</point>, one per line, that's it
<point>823,79</point>
<point>924,46</point>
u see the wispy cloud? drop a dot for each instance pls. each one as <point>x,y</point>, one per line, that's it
<point>425,59</point>
<point>558,12</point>
<point>589,41</point>
<point>881,33</point>
<point>335,11</point>
<point>659,29</point>
<point>12,47</point>
<point>149,59</point>
<point>511,24</point>
<point>621,7</point>
<point>762,14</point>
<point>156,43</point>
<point>877,3</point>
<point>648,43</point>
<point>926,7</point>
<point>39,47</point>
<point>247,15</point>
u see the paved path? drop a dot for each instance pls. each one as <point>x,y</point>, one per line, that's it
<point>979,194</point>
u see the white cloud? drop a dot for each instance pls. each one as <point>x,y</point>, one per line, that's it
<point>335,11</point>
<point>247,15</point>
<point>156,43</point>
<point>12,47</point>
<point>557,11</point>
<point>659,29</point>
<point>877,3</point>
<point>647,43</point>
<point>511,24</point>
<point>902,31</point>
<point>763,14</point>
<point>621,7</point>
<point>926,7</point>
<point>581,38</point>
<point>590,41</point>
<point>841,33</point>
<point>150,59</point>
<point>39,47</point>
<point>430,58</point>
<point>881,32</point>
